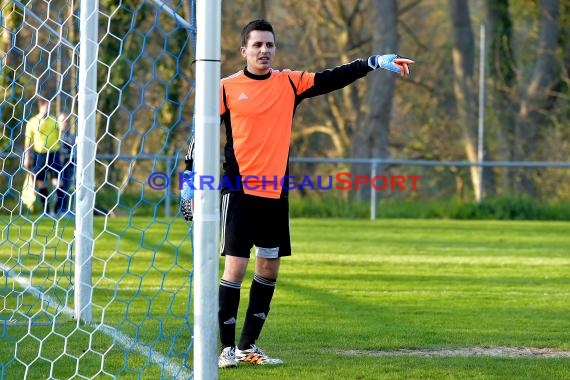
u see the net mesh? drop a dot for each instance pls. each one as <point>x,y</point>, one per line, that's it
<point>142,264</point>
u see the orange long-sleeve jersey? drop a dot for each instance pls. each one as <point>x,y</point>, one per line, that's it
<point>258,110</point>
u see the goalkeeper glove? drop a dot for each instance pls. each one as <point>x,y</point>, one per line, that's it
<point>392,62</point>
<point>187,193</point>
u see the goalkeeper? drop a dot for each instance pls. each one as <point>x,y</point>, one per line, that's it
<point>257,106</point>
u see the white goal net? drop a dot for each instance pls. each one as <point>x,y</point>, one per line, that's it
<point>96,278</point>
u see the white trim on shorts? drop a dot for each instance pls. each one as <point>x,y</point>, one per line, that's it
<point>225,202</point>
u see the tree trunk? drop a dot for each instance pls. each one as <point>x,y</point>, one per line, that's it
<point>502,79</point>
<point>373,139</point>
<point>12,92</point>
<point>464,83</point>
<point>538,96</point>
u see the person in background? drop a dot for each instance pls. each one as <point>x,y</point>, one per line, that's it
<point>41,155</point>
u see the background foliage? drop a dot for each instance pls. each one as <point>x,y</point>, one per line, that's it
<point>146,75</point>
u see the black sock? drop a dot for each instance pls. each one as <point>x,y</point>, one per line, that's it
<point>227,315</point>
<point>260,296</point>
<point>43,191</point>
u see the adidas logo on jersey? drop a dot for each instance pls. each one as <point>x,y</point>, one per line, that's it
<point>243,96</point>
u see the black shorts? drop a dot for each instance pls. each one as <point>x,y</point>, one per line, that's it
<point>46,164</point>
<point>249,221</point>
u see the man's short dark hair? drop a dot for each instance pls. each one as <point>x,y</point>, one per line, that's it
<point>261,25</point>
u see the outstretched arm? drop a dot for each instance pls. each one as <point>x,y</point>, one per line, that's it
<point>343,75</point>
<point>336,78</point>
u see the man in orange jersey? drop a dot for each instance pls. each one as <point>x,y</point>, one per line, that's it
<point>257,107</point>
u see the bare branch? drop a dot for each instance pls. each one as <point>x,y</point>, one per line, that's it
<point>413,35</point>
<point>408,7</point>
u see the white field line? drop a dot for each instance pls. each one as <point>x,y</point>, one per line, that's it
<point>509,352</point>
<point>175,370</point>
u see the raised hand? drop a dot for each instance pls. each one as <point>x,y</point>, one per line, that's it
<point>391,62</point>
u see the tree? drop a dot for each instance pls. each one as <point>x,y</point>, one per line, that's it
<point>537,96</point>
<point>320,37</point>
<point>464,83</point>
<point>372,139</point>
<point>502,82</point>
<point>11,107</point>
<point>524,101</point>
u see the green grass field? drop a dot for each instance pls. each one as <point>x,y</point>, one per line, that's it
<point>353,294</point>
